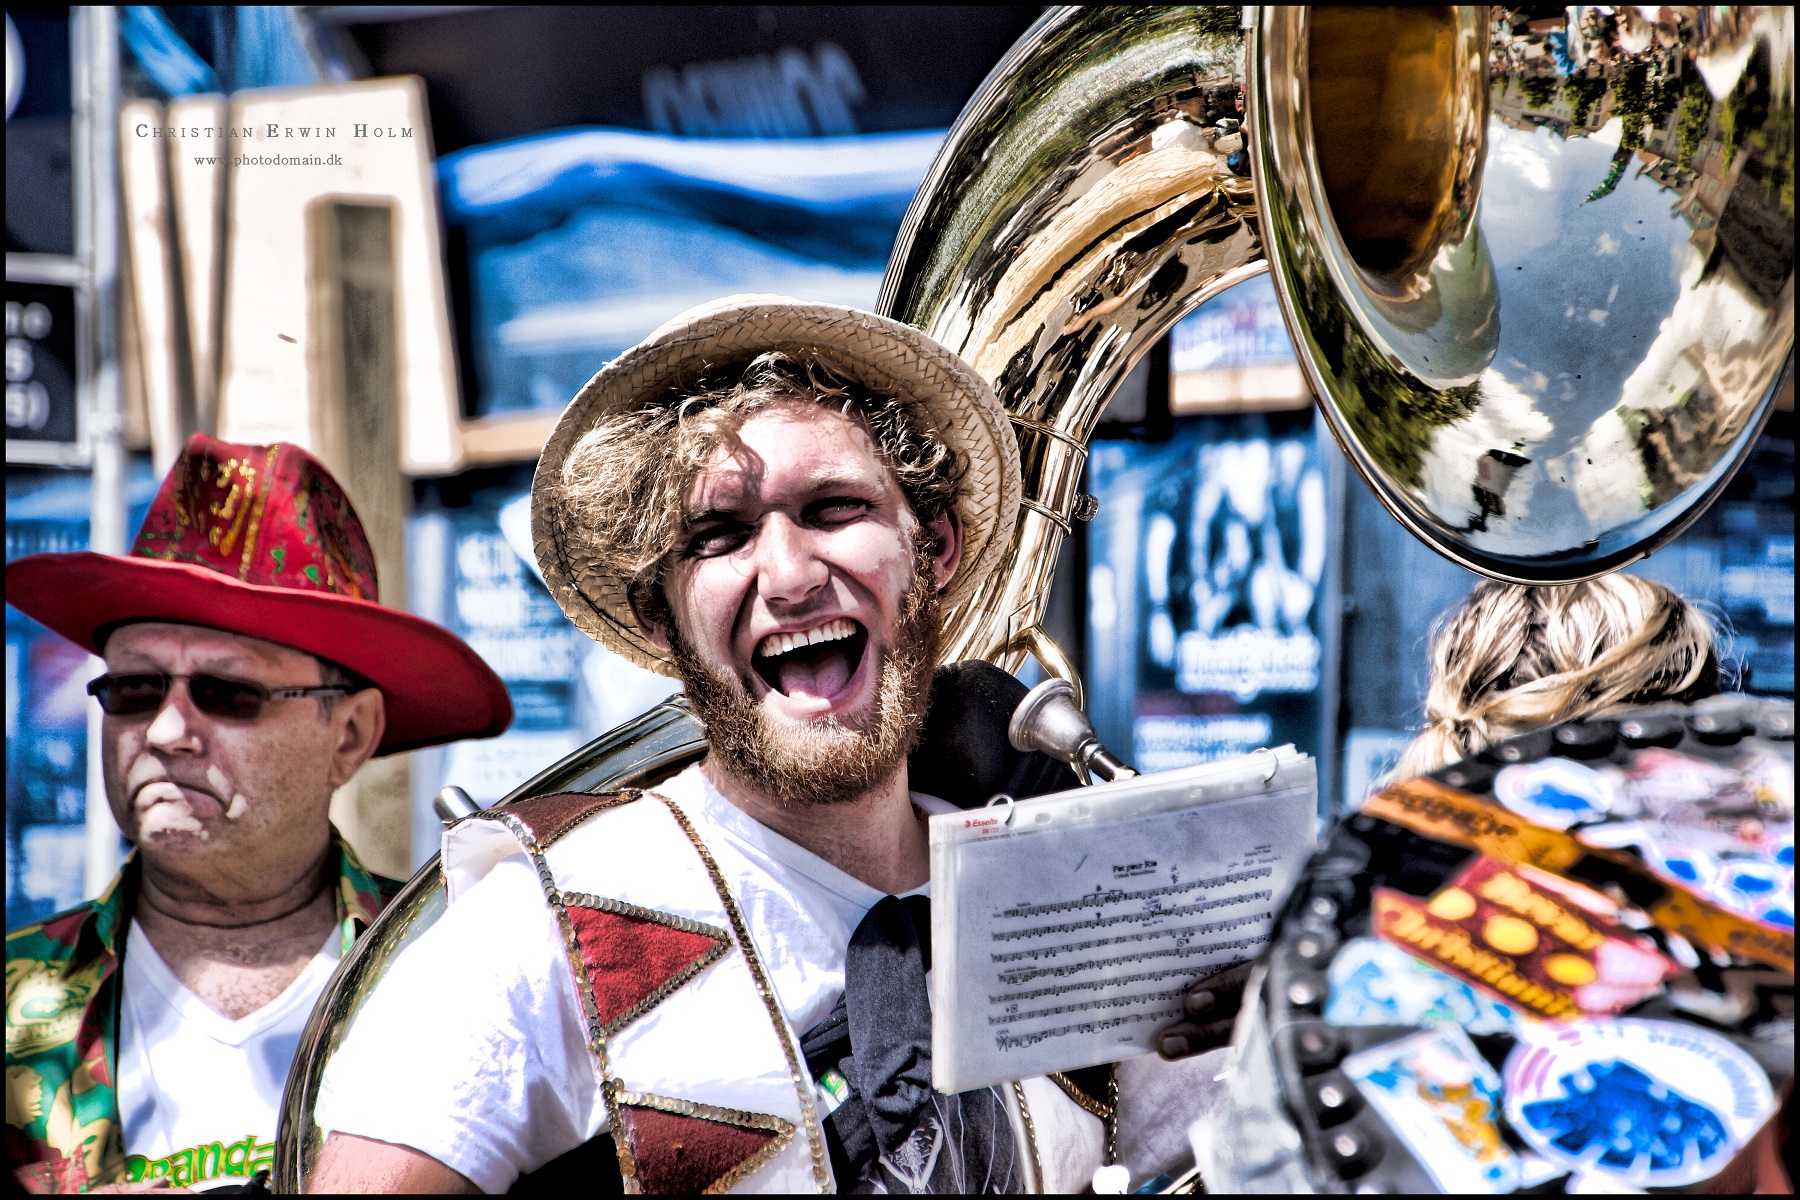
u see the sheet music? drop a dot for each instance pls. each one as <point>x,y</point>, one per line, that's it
<point>1065,933</point>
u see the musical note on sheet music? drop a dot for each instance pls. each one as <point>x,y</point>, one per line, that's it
<point>1066,934</point>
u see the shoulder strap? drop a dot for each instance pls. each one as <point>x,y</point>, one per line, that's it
<point>628,956</point>
<point>549,817</point>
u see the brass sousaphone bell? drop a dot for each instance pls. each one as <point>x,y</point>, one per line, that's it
<point>1539,275</point>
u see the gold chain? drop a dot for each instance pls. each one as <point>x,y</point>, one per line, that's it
<point>1112,1114</point>
<point>1037,1164</point>
<point>1108,1112</point>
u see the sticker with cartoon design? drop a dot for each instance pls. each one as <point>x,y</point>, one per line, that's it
<point>1645,1103</point>
<point>1442,1099</point>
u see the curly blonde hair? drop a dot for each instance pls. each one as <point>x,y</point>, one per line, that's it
<point>1511,658</point>
<point>624,483</point>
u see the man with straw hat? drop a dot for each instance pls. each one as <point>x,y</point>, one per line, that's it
<point>250,670</point>
<point>719,983</point>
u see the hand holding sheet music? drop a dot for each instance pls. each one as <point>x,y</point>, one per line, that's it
<point>1067,928</point>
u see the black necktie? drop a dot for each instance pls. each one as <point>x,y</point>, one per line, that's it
<point>890,1014</point>
<point>892,1132</point>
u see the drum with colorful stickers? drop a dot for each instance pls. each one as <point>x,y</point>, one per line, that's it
<point>1563,964</point>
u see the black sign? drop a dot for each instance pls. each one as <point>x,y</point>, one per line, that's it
<point>40,195</point>
<point>40,362</point>
<point>708,71</point>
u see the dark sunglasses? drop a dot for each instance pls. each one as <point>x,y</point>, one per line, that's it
<point>140,693</point>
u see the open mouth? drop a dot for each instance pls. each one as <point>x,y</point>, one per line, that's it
<point>815,662</point>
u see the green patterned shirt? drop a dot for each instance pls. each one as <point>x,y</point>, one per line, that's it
<point>62,1028</point>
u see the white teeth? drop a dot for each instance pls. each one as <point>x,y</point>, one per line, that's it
<point>781,643</point>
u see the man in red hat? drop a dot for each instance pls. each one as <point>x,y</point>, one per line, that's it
<point>250,671</point>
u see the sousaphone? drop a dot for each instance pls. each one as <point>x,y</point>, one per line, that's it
<point>1538,272</point>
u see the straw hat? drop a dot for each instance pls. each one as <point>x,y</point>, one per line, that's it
<point>875,351</point>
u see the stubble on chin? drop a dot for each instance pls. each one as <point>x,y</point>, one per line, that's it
<point>828,761</point>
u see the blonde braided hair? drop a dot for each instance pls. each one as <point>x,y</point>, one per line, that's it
<point>1512,658</point>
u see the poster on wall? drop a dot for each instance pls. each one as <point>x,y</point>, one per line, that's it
<point>565,688</point>
<point>580,242</point>
<point>650,160</point>
<point>47,705</point>
<point>1206,590</point>
<point>1233,355</point>
<point>1756,567</point>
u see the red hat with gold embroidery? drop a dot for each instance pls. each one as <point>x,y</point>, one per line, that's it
<point>261,540</point>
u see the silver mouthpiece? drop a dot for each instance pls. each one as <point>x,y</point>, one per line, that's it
<point>1048,719</point>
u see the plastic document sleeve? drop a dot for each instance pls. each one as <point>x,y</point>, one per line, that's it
<point>1066,928</point>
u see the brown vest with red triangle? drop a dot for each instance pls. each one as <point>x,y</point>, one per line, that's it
<point>659,950</point>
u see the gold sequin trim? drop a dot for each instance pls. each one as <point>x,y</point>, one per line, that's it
<point>583,987</point>
<point>721,947</point>
<point>802,1081</point>
<point>782,1129</point>
<point>608,802</point>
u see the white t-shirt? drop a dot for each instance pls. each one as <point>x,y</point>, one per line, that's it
<point>199,1092</point>
<point>474,1048</point>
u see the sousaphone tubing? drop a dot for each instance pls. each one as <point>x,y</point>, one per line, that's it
<point>1538,273</point>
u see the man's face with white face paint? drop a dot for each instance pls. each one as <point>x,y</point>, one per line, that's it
<point>201,793</point>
